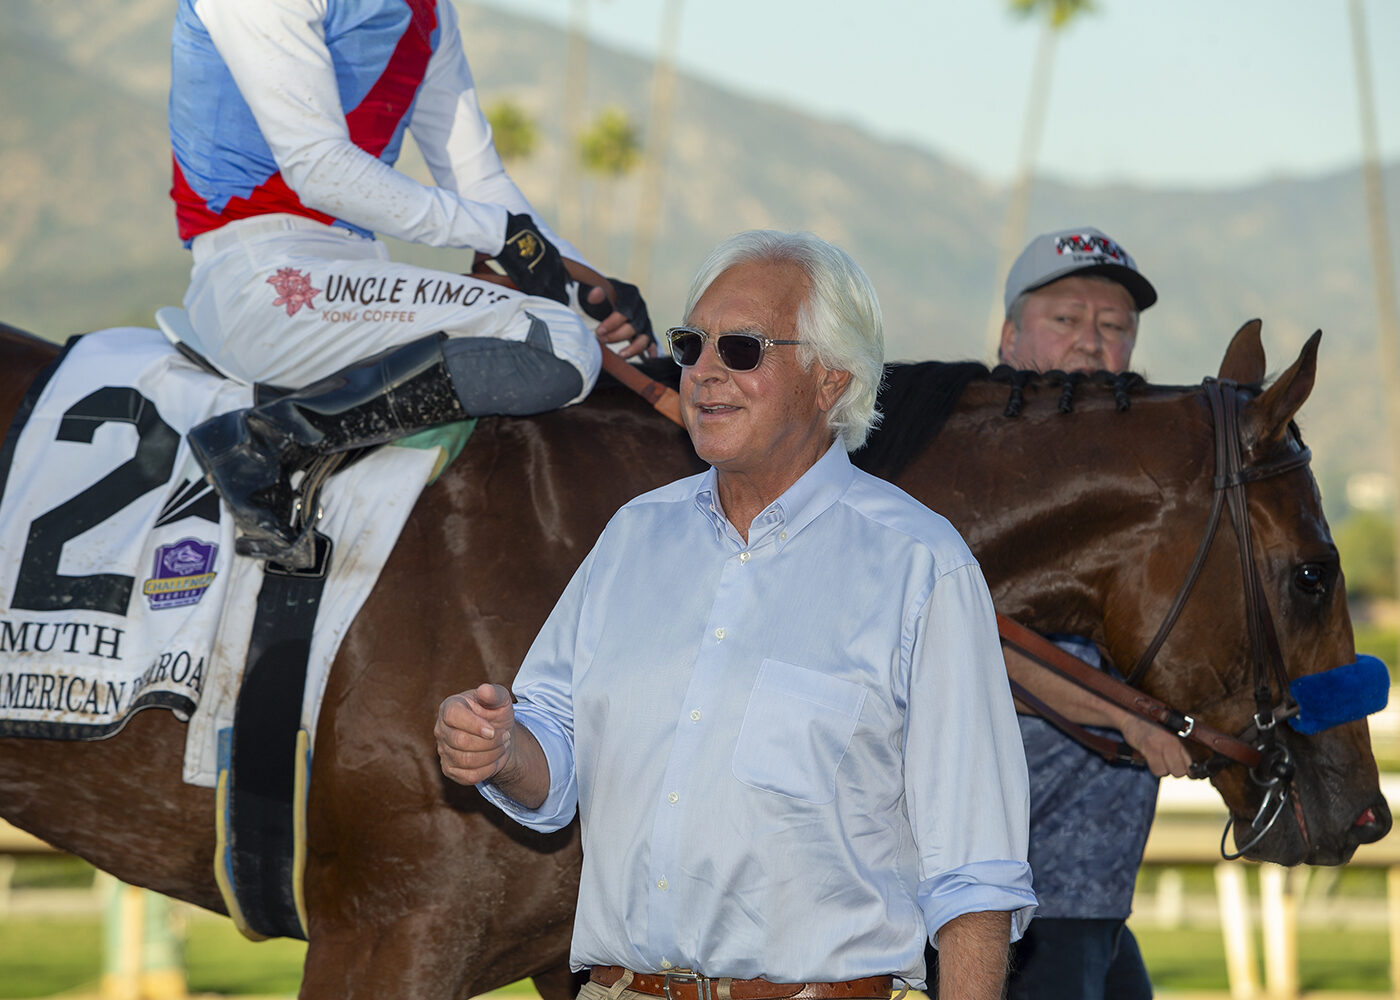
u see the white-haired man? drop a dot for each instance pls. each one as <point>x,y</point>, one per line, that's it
<point>811,767</point>
<point>1072,304</point>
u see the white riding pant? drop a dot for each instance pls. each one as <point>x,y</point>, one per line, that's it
<point>286,300</point>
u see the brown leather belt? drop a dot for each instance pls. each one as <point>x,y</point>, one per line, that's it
<point>685,985</point>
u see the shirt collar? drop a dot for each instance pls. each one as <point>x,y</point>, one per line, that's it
<point>816,490</point>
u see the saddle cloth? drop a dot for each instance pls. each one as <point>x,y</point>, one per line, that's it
<point>119,585</point>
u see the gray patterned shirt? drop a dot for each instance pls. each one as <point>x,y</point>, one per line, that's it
<point>1089,818</point>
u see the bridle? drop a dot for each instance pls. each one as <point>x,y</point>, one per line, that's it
<point>1274,769</point>
<point>1257,748</point>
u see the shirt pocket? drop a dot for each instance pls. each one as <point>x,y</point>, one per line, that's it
<point>796,729</point>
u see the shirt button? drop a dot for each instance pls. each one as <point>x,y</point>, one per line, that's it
<point>695,715</point>
<point>666,963</point>
<point>662,884</point>
<point>719,633</point>
<point>673,798</point>
<point>782,536</point>
<point>743,557</point>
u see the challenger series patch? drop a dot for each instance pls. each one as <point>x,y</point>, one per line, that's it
<point>183,572</point>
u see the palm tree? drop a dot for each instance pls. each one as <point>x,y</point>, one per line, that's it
<point>574,106</point>
<point>516,134</point>
<point>1057,14</point>
<point>608,149</point>
<point>658,133</point>
<point>1386,337</point>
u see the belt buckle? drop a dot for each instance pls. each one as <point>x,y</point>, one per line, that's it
<point>702,983</point>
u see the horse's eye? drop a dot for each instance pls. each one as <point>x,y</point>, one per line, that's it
<point>1311,578</point>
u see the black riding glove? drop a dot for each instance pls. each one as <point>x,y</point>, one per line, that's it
<point>630,304</point>
<point>580,301</point>
<point>531,261</point>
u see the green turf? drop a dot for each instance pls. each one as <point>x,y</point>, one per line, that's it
<point>51,871</point>
<point>1199,880</point>
<point>1185,959</point>
<point>218,959</point>
<point>43,956</point>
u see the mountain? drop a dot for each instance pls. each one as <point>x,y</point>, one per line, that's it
<point>87,236</point>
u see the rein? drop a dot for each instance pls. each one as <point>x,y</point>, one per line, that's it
<point>1140,703</point>
<point>663,398</point>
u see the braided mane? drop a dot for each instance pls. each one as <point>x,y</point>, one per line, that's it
<point>915,402</point>
<point>917,399</point>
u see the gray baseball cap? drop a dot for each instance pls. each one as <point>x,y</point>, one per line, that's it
<point>1052,256</point>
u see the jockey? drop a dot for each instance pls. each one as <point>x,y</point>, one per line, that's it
<point>286,117</point>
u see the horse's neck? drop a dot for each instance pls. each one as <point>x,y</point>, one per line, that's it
<point>25,356</point>
<point>1058,506</point>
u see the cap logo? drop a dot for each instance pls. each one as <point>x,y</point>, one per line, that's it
<point>1098,246</point>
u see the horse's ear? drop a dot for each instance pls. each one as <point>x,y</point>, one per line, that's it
<point>1270,413</point>
<point>1244,358</point>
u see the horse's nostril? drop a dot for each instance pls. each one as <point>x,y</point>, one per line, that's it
<point>1372,824</point>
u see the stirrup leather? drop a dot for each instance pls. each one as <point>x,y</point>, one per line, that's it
<point>306,514</point>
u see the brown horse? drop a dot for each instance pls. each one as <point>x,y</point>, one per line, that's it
<point>1084,522</point>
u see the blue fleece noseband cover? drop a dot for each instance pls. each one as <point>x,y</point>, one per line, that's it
<point>1342,694</point>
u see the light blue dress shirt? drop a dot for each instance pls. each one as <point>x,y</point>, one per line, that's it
<point>807,763</point>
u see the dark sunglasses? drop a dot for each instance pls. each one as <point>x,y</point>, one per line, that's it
<point>739,352</point>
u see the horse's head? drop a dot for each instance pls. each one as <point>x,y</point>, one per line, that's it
<point>1314,798</point>
<point>1089,503</point>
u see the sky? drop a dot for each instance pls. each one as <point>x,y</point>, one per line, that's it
<point>1161,93</point>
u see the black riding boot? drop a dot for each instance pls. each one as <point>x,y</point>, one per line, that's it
<point>252,456</point>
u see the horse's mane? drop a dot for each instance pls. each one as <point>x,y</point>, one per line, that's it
<point>917,399</point>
